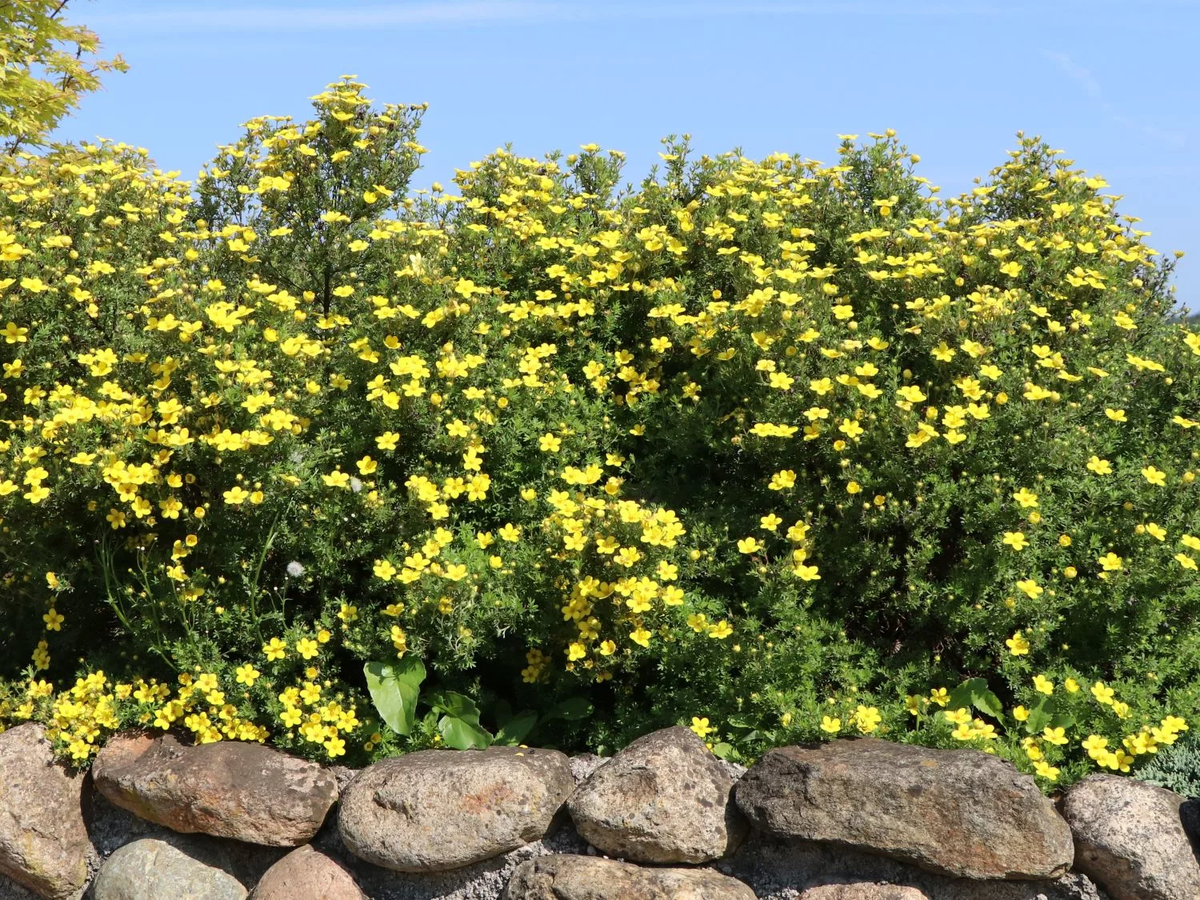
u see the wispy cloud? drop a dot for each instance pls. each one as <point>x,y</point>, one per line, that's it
<point>457,13</point>
<point>1090,85</point>
<point>1077,73</point>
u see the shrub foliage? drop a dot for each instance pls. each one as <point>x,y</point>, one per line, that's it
<point>783,449</point>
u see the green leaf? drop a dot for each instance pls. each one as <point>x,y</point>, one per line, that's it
<point>394,689</point>
<point>516,729</point>
<point>1048,713</point>
<point>974,692</point>
<point>502,712</point>
<point>572,709</point>
<point>1040,715</point>
<point>458,706</point>
<point>722,750</point>
<point>460,734</point>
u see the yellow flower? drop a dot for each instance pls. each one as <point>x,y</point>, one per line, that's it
<point>1111,562</point>
<point>720,630</point>
<point>830,725</point>
<point>1054,735</point>
<point>1043,684</point>
<point>1154,476</point>
<point>548,443</point>
<point>1045,770</point>
<point>306,647</point>
<point>236,495</point>
<point>1017,644</point>
<point>247,674</point>
<point>274,649</point>
<point>337,479</point>
<point>1103,693</point>
<point>748,545</point>
<point>1016,540</point>
<point>1031,589</point>
<point>867,719</point>
<point>384,569</point>
<point>1026,497</point>
<point>701,727</point>
<point>783,480</point>
<point>640,636</point>
<point>1100,466</point>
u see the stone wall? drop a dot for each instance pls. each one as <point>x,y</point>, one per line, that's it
<point>855,818</point>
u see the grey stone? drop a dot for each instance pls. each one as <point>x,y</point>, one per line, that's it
<point>592,878</point>
<point>663,799</point>
<point>955,812</point>
<point>44,843</point>
<point>232,789</point>
<point>863,890</point>
<point>307,874</point>
<point>436,810</point>
<point>150,869</point>
<point>584,765</point>
<point>1129,837</point>
<point>783,868</point>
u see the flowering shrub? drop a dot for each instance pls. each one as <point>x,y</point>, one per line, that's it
<point>783,449</point>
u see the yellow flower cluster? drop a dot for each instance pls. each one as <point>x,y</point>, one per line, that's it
<point>491,371</point>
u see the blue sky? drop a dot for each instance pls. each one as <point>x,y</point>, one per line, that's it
<point>1111,82</point>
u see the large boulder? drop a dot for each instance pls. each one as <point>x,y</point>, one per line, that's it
<point>954,812</point>
<point>436,810</point>
<point>663,799</point>
<point>567,877</point>
<point>1130,839</point>
<point>151,869</point>
<point>232,789</point>
<point>307,874</point>
<point>44,843</point>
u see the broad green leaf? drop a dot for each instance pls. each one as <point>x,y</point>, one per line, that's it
<point>961,696</point>
<point>722,750</point>
<point>458,706</point>
<point>571,709</point>
<point>974,692</point>
<point>502,712</point>
<point>394,688</point>
<point>1040,715</point>
<point>515,730</point>
<point>462,735</point>
<point>988,703</point>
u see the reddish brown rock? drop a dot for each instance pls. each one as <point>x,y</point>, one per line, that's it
<point>437,810</point>
<point>663,799</point>
<point>307,874</point>
<point>955,812</point>
<point>568,877</point>
<point>44,843</point>
<point>230,789</point>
